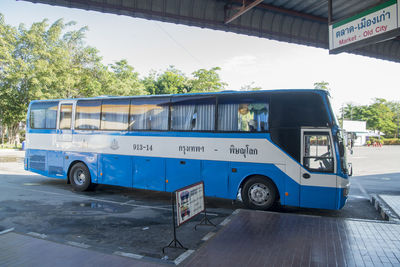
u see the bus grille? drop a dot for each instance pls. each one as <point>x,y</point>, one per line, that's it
<point>37,162</point>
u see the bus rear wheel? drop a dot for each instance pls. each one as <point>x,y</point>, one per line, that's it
<point>79,176</point>
<point>259,193</point>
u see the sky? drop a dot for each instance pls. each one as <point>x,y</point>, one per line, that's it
<point>244,60</point>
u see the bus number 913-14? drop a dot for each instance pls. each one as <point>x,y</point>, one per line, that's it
<point>141,147</point>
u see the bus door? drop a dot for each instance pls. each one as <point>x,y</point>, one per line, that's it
<point>64,129</point>
<point>318,170</point>
<point>63,139</point>
<point>55,156</point>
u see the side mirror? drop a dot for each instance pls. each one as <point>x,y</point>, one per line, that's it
<point>350,169</point>
<point>341,149</point>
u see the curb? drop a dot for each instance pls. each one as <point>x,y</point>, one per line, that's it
<point>383,209</point>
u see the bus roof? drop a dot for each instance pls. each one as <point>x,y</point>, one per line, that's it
<point>225,92</point>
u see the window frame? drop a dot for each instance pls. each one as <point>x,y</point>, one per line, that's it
<point>56,102</point>
<point>196,101</point>
<point>243,99</point>
<point>76,114</point>
<point>101,114</point>
<point>166,101</point>
<point>321,132</point>
<point>60,104</point>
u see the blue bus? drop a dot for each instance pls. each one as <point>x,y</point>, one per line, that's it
<point>265,147</point>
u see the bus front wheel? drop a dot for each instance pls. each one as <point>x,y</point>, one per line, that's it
<point>79,176</point>
<point>259,193</point>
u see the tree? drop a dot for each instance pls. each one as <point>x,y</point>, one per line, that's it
<point>149,82</point>
<point>48,61</point>
<point>353,112</point>
<point>123,80</point>
<point>250,87</point>
<point>381,117</point>
<point>174,81</point>
<point>395,108</point>
<point>206,81</point>
<point>7,43</point>
<point>42,63</point>
<point>322,85</point>
<point>171,81</point>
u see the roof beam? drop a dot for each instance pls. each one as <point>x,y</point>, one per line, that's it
<point>243,10</point>
<point>282,11</point>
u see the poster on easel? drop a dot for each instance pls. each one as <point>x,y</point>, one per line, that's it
<point>189,202</point>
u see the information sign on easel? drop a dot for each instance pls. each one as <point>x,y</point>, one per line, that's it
<point>189,202</point>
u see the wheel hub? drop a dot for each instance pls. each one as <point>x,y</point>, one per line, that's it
<point>80,177</point>
<point>259,194</point>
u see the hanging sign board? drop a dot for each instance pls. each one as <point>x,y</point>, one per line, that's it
<point>189,202</point>
<point>370,26</point>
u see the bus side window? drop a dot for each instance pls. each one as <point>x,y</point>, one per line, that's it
<point>243,117</point>
<point>146,116</point>
<point>204,117</point>
<point>88,115</point>
<point>43,115</point>
<point>183,117</point>
<point>193,117</point>
<point>114,114</point>
<point>65,116</point>
<point>318,154</point>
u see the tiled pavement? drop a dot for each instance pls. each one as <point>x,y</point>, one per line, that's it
<point>393,202</point>
<point>275,239</point>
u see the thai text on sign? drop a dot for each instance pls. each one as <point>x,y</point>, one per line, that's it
<point>375,21</point>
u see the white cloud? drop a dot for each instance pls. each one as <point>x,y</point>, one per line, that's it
<point>238,63</point>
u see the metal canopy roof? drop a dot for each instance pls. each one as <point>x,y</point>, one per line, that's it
<point>295,21</point>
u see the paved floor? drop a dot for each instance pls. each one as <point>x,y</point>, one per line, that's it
<point>274,239</point>
<point>393,202</point>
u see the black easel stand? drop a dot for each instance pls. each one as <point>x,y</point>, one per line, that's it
<point>175,242</point>
<point>205,221</point>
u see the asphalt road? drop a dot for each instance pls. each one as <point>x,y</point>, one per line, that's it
<point>138,222</point>
<point>113,220</point>
<point>377,169</point>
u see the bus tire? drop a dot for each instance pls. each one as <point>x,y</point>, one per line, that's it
<point>79,176</point>
<point>259,193</point>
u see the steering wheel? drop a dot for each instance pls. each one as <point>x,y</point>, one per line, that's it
<point>322,156</point>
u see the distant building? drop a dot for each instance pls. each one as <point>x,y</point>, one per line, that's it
<point>356,131</point>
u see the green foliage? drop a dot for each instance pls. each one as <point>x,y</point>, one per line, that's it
<point>391,141</point>
<point>380,115</point>
<point>123,80</point>
<point>322,85</point>
<point>206,81</point>
<point>10,146</point>
<point>173,81</point>
<point>250,87</point>
<point>50,61</point>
